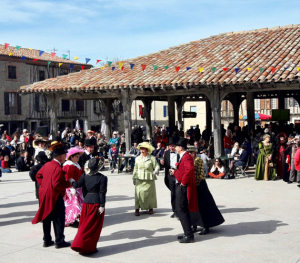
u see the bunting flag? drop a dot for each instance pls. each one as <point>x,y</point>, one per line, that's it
<point>18,47</point>
<point>143,67</point>
<point>273,69</point>
<point>23,57</point>
<point>177,68</point>
<point>71,66</point>
<point>166,67</point>
<point>298,69</point>
<point>59,64</point>
<point>213,69</point>
<point>49,62</point>
<point>75,58</point>
<point>98,60</point>
<point>87,60</point>
<point>261,70</point>
<point>35,59</point>
<point>6,45</point>
<point>188,68</point>
<point>225,69</point>
<point>248,69</point>
<point>109,63</point>
<point>53,54</point>
<point>30,48</point>
<point>237,70</point>
<point>121,64</point>
<point>113,68</point>
<point>155,67</point>
<point>64,56</point>
<point>122,68</point>
<point>285,68</point>
<point>41,52</point>
<point>131,66</point>
<point>201,69</point>
<point>10,53</point>
<point>103,67</point>
<point>82,67</point>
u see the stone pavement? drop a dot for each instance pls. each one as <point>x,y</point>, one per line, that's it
<point>262,225</point>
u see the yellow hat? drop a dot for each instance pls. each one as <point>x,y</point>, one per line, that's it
<point>55,144</point>
<point>146,145</point>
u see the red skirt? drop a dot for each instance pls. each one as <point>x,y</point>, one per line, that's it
<point>89,229</point>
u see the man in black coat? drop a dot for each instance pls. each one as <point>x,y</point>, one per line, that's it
<point>22,165</point>
<point>88,153</point>
<point>169,161</point>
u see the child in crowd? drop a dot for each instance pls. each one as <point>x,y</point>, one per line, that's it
<point>205,159</point>
<point>113,156</point>
<point>5,165</point>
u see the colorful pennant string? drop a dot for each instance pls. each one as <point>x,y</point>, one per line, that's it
<point>273,70</point>
<point>10,54</point>
<point>30,48</point>
<point>122,68</point>
<point>248,69</point>
<point>41,52</point>
<point>143,67</point>
<point>35,59</point>
<point>71,66</point>
<point>113,68</point>
<point>155,67</point>
<point>177,68</point>
<point>121,64</point>
<point>18,47</point>
<point>98,60</point>
<point>131,66</point>
<point>225,69</point>
<point>166,67</point>
<point>103,67</point>
<point>75,58</point>
<point>87,60</point>
<point>237,70</point>
<point>82,67</point>
<point>261,70</point>
<point>49,62</point>
<point>109,63</point>
<point>285,68</point>
<point>59,64</point>
<point>6,45</point>
<point>53,54</point>
<point>23,57</point>
<point>298,69</point>
<point>188,68</point>
<point>64,56</point>
<point>201,69</point>
<point>213,69</point>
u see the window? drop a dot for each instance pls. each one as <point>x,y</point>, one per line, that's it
<point>36,105</point>
<point>293,102</point>
<point>41,75</point>
<point>165,111</point>
<point>268,106</point>
<point>65,105</point>
<point>79,105</point>
<point>193,108</point>
<point>257,104</point>
<point>273,104</point>
<point>12,102</point>
<point>12,72</point>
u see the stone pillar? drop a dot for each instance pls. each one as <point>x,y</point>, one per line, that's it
<point>236,117</point>
<point>171,113</point>
<point>108,120</point>
<point>250,111</point>
<point>127,100</point>
<point>147,114</point>
<point>216,113</point>
<point>179,103</point>
<point>208,115</point>
<point>53,102</point>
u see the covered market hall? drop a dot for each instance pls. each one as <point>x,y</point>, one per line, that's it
<point>262,63</point>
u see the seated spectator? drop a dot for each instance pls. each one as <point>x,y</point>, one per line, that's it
<point>236,150</point>
<point>217,170</point>
<point>5,167</point>
<point>113,156</point>
<point>202,146</point>
<point>9,151</point>
<point>241,160</point>
<point>197,145</point>
<point>133,151</point>
<point>23,163</point>
<point>159,151</point>
<point>205,159</point>
<point>163,138</point>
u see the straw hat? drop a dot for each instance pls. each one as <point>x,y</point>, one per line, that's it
<point>55,144</point>
<point>74,150</point>
<point>146,145</point>
<point>93,166</point>
<point>192,149</point>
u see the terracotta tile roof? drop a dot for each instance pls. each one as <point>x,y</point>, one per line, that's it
<point>34,54</point>
<point>274,48</point>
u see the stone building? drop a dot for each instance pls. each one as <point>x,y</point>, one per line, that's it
<point>24,66</point>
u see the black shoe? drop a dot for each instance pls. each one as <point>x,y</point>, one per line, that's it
<point>62,244</point>
<point>232,177</point>
<point>173,215</point>
<point>289,182</point>
<point>226,177</point>
<point>298,185</point>
<point>180,237</point>
<point>89,253</point>
<point>186,239</point>
<point>48,244</point>
<point>197,229</point>
<point>205,231</point>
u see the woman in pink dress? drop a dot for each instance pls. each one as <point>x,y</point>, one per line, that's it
<point>73,197</point>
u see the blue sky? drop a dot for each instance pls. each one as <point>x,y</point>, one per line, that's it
<point>108,29</point>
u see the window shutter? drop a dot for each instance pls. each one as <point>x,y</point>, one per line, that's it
<point>165,111</point>
<point>19,104</point>
<point>6,103</point>
<point>262,104</point>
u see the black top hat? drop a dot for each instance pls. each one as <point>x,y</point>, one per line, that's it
<point>42,157</point>
<point>58,151</point>
<point>94,165</point>
<point>89,142</point>
<point>182,142</point>
<point>173,140</point>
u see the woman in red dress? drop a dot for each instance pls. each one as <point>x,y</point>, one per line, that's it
<point>94,185</point>
<point>73,197</point>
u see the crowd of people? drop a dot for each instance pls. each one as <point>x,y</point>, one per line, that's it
<point>72,190</point>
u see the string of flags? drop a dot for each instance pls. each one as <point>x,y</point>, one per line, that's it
<point>121,64</point>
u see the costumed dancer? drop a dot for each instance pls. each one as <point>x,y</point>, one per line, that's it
<point>282,166</point>
<point>186,191</point>
<point>52,187</point>
<point>171,157</point>
<point>40,145</point>
<point>210,215</point>
<point>294,174</point>
<point>73,197</point>
<point>88,153</point>
<point>41,159</point>
<point>144,175</point>
<point>94,186</point>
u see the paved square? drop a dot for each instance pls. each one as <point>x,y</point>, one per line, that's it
<point>262,224</point>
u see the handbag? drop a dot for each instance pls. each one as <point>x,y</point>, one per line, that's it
<point>270,164</point>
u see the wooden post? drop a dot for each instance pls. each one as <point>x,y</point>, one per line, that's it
<point>250,111</point>
<point>179,103</point>
<point>53,102</point>
<point>147,111</point>
<point>208,115</point>
<point>171,113</point>
<point>108,120</point>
